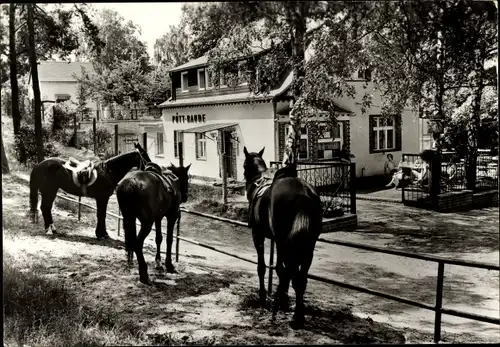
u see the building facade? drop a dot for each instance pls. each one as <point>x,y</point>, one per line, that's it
<point>203,126</point>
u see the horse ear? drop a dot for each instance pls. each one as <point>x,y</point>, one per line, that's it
<point>187,167</point>
<point>245,151</point>
<point>172,164</point>
<point>261,151</point>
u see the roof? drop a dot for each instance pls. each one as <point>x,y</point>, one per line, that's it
<point>60,71</point>
<point>203,61</point>
<point>228,98</point>
<point>209,127</point>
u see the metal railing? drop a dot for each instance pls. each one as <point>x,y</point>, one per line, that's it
<point>437,308</point>
<point>333,181</point>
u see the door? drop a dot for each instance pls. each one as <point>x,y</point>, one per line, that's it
<point>229,154</point>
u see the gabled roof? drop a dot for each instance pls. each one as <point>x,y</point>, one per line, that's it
<point>229,98</point>
<point>60,71</point>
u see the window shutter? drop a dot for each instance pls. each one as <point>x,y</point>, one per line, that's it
<point>370,134</point>
<point>176,154</point>
<point>196,137</point>
<point>398,132</point>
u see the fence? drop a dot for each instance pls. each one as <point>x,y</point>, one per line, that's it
<point>447,174</point>
<point>334,182</point>
<point>437,308</point>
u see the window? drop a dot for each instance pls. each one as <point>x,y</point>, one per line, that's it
<point>242,72</point>
<point>365,74</point>
<point>202,79</point>
<point>385,134</point>
<point>208,77</point>
<point>303,142</point>
<point>159,143</point>
<point>201,146</point>
<point>329,140</point>
<point>184,81</point>
<point>62,97</point>
<point>177,143</point>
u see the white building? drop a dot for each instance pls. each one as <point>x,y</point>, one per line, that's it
<point>197,113</point>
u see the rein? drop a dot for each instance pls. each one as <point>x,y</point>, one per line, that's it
<point>143,161</point>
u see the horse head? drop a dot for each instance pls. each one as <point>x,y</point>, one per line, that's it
<point>143,156</point>
<point>254,165</point>
<point>183,176</point>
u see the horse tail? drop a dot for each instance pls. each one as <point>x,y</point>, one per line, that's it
<point>302,238</point>
<point>33,191</point>
<point>126,202</point>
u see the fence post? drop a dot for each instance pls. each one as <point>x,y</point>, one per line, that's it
<point>353,188</point>
<point>181,156</point>
<point>118,221</point>
<point>116,141</point>
<point>79,207</point>
<point>94,137</point>
<point>145,141</point>
<point>439,302</point>
<point>435,178</point>
<point>271,270</point>
<point>177,238</point>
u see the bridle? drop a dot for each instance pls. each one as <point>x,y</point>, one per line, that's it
<point>143,161</point>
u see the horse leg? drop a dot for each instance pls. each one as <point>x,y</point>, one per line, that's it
<point>299,283</point>
<point>143,266</point>
<point>281,294</point>
<point>130,229</point>
<point>48,197</point>
<point>258,241</point>
<point>102,205</point>
<point>159,239</point>
<point>171,219</point>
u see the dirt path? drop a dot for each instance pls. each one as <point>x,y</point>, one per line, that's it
<point>210,300</point>
<point>473,291</point>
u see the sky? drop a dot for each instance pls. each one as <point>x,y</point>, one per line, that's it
<point>154,18</point>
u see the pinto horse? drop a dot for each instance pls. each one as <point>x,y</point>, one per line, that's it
<point>97,181</point>
<point>287,210</point>
<point>149,196</point>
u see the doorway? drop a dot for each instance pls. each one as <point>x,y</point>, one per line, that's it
<point>230,154</point>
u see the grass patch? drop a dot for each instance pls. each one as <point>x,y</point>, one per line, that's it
<point>199,192</point>
<point>45,312</point>
<point>219,209</point>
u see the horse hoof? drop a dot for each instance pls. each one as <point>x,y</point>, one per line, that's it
<point>297,323</point>
<point>145,281</point>
<point>104,237</point>
<point>171,269</point>
<point>284,304</point>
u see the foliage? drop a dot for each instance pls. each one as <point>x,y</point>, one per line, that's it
<point>172,49</point>
<point>82,95</point>
<point>456,135</point>
<point>26,136</point>
<point>103,139</point>
<point>63,116</point>
<point>121,43</point>
<point>4,44</point>
<point>158,86</point>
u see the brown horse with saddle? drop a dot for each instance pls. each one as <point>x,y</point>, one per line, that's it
<point>149,196</point>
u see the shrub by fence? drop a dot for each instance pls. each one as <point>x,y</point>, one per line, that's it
<point>334,182</point>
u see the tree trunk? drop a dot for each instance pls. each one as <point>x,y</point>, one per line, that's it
<point>5,163</point>
<point>36,85</point>
<point>16,115</point>
<point>297,16</point>
<point>473,129</point>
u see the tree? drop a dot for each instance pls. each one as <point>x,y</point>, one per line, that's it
<point>172,48</point>
<point>49,33</point>
<point>82,95</point>
<point>5,163</point>
<point>158,86</point>
<point>419,63</point>
<point>282,32</point>
<point>121,43</point>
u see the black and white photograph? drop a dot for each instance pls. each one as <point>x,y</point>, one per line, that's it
<point>250,173</point>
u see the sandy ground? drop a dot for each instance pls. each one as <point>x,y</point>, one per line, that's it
<point>212,299</point>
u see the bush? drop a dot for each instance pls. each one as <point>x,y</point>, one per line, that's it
<point>103,138</point>
<point>26,138</point>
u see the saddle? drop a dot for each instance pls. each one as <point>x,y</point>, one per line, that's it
<point>262,185</point>
<point>166,177</point>
<point>83,172</point>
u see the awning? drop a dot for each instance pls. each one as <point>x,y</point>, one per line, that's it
<point>209,127</point>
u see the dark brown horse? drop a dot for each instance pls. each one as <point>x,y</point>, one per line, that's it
<point>149,196</point>
<point>288,210</point>
<point>96,181</point>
